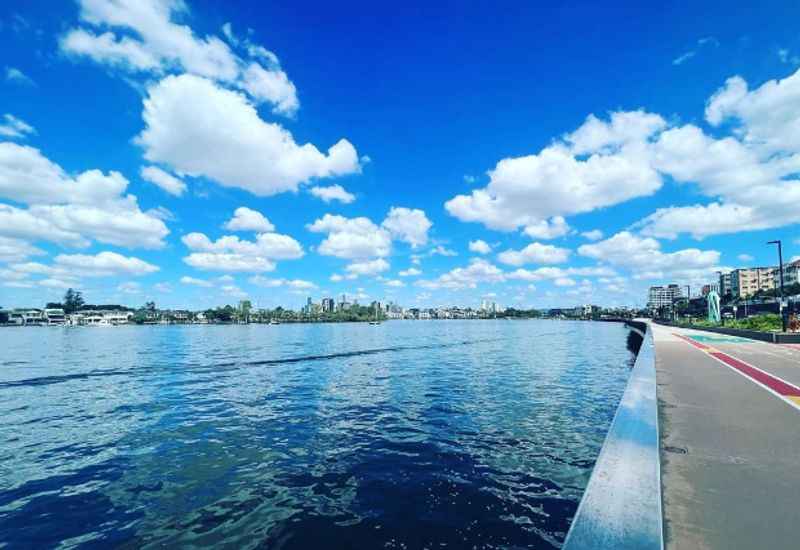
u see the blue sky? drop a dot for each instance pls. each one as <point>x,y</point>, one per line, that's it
<point>198,153</point>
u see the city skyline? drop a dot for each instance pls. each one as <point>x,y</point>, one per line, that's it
<point>197,155</point>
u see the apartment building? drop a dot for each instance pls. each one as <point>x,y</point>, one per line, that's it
<point>747,281</point>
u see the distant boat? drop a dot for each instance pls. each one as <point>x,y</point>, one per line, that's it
<point>375,321</point>
<point>274,322</point>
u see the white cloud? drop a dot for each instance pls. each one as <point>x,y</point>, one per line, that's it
<point>16,76</point>
<point>410,272</point>
<point>186,280</point>
<point>440,250</point>
<point>564,281</point>
<point>332,193</point>
<point>164,288</point>
<point>524,191</point>
<point>130,287</point>
<point>593,235</point>
<point>479,247</point>
<point>367,267</point>
<point>68,210</point>
<point>351,238</point>
<point>556,227</point>
<point>548,273</point>
<point>769,116</point>
<point>219,134</point>
<point>16,250</point>
<point>745,258</point>
<point>234,291</point>
<point>645,258</point>
<point>229,253</point>
<point>408,225</point>
<point>153,43</point>
<point>271,85</point>
<point>245,219</point>
<point>164,180</point>
<point>395,283</point>
<point>223,261</point>
<point>753,192</point>
<point>478,271</point>
<point>336,278</point>
<point>681,59</point>
<point>14,127</point>
<point>297,284</point>
<point>535,253</point>
<point>104,264</point>
<point>55,283</point>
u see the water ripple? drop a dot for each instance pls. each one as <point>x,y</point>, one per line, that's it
<point>405,435</point>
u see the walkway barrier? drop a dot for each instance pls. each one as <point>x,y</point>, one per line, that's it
<point>621,507</point>
<point>773,337</point>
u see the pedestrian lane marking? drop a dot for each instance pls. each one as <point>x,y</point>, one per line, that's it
<point>779,387</point>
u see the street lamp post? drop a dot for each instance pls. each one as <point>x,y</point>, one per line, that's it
<point>721,315</point>
<point>780,270</point>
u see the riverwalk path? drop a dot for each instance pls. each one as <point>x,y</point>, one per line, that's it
<point>729,419</point>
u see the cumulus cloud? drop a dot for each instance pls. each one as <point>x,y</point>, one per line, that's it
<point>13,127</point>
<point>535,253</point>
<point>141,36</point>
<point>750,177</point>
<point>164,180</point>
<point>245,219</point>
<point>410,272</point>
<point>16,250</point>
<point>332,193</point>
<point>266,282</point>
<point>593,235</point>
<point>367,267</point>
<point>394,283</point>
<point>104,264</point>
<point>351,238</point>
<point>231,254</point>
<point>644,257</point>
<point>753,192</point>
<point>551,273</point>
<point>186,280</point>
<point>478,271</point>
<point>545,230</point>
<point>479,246</point>
<point>219,134</point>
<point>564,281</point>
<point>408,225</point>
<point>70,210</point>
<point>598,165</point>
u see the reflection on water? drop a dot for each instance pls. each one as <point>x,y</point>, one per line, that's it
<point>402,435</point>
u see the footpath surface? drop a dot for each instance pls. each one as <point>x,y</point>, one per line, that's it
<point>729,413</point>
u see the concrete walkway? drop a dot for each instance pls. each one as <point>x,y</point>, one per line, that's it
<point>730,440</point>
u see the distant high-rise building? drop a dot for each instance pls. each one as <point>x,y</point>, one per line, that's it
<point>327,305</point>
<point>725,285</point>
<point>659,296</point>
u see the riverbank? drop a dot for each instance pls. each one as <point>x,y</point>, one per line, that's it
<point>621,507</point>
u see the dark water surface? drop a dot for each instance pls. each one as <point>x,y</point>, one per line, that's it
<point>404,435</point>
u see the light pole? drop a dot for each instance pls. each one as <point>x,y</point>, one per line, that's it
<point>721,289</point>
<point>780,268</point>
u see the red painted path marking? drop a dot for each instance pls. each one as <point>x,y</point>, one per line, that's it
<point>779,387</point>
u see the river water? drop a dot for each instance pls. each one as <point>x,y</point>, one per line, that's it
<point>427,434</point>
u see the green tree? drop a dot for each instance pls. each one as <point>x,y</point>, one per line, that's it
<point>73,301</point>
